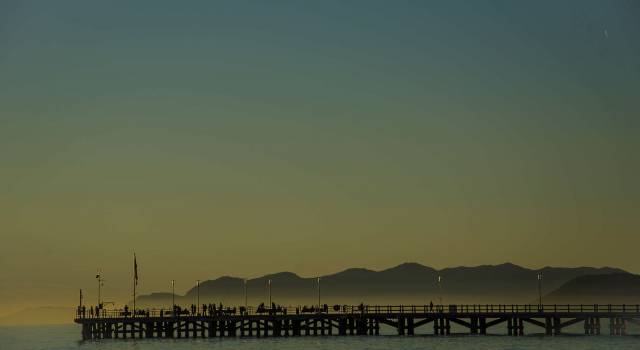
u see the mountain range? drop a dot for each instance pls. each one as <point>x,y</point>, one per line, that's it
<point>616,288</point>
<point>408,283</point>
<point>405,283</point>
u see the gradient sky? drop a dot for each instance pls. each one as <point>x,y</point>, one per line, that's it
<point>247,137</point>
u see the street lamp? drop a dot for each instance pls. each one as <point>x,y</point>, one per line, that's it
<point>270,302</point>
<point>173,295</point>
<point>198,303</point>
<point>245,293</point>
<point>318,293</point>
<point>100,280</point>
<point>440,289</point>
<point>540,288</point>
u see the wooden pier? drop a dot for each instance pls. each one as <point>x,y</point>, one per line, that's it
<point>346,320</point>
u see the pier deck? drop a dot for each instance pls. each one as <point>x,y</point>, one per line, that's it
<point>342,320</point>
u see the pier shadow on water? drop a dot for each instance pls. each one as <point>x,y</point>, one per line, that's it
<point>63,337</point>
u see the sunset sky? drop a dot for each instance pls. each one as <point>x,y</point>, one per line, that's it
<point>246,137</point>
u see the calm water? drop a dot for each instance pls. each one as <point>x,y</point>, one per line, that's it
<point>67,337</point>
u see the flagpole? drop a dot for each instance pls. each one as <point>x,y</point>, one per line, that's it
<point>134,298</point>
<point>135,281</point>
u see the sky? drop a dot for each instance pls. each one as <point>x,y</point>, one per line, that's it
<point>248,137</point>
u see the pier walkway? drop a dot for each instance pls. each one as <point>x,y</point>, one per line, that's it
<point>343,320</point>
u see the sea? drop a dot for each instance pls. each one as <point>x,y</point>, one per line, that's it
<point>62,337</point>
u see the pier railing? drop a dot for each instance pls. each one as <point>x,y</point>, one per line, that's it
<point>451,309</point>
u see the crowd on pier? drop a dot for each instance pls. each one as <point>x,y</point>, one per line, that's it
<point>212,309</point>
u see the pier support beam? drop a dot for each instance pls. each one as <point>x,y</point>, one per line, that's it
<point>342,326</point>
<point>473,328</point>
<point>401,326</point>
<point>557,326</point>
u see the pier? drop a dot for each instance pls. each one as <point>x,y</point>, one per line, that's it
<point>345,320</point>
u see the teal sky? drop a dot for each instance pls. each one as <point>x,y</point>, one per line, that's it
<point>246,137</point>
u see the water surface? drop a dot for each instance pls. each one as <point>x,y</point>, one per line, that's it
<point>64,337</point>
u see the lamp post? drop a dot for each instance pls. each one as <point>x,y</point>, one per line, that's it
<point>245,293</point>
<point>318,293</point>
<point>540,289</point>
<point>173,295</point>
<point>440,289</point>
<point>198,289</point>
<point>270,302</point>
<point>100,280</point>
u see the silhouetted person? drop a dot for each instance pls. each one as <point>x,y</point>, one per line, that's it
<point>431,306</point>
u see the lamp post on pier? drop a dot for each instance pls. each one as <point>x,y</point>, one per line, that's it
<point>540,289</point>
<point>245,293</point>
<point>318,293</point>
<point>173,295</point>
<point>440,290</point>
<point>269,285</point>
<point>198,291</point>
<point>100,284</point>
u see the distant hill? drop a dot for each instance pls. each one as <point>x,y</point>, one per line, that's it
<point>405,283</point>
<point>622,288</point>
<point>40,315</point>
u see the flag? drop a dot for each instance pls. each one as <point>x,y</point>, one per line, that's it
<point>135,268</point>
